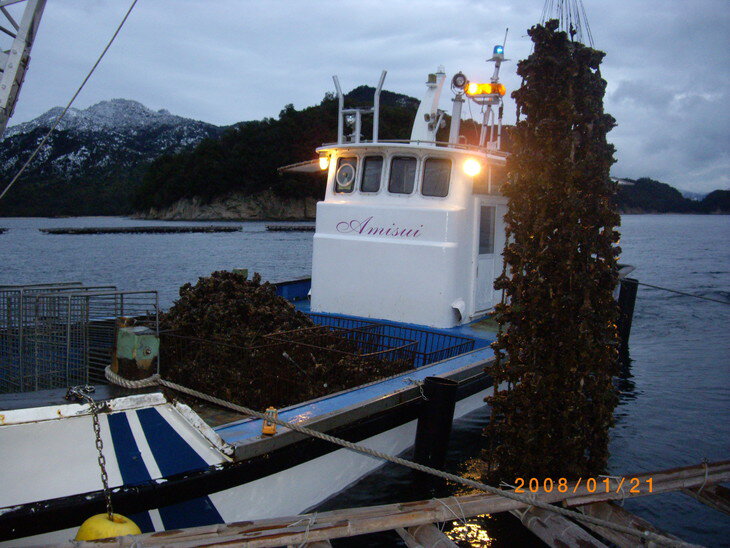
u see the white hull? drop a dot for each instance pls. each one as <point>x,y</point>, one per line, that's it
<point>299,488</point>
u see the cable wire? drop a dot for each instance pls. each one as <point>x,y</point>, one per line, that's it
<point>683,293</point>
<point>63,113</point>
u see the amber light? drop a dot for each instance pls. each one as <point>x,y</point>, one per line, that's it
<point>472,167</point>
<point>324,162</point>
<point>485,89</point>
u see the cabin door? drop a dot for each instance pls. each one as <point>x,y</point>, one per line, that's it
<point>484,287</point>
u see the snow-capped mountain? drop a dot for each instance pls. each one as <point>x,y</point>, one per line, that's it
<point>121,116</point>
<point>109,144</point>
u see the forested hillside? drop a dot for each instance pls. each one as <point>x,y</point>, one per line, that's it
<point>119,157</point>
<point>649,196</point>
<point>246,157</point>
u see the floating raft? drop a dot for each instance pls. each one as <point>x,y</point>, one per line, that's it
<point>141,229</point>
<point>290,228</point>
<point>416,522</point>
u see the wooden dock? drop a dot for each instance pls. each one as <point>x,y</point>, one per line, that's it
<point>142,229</point>
<point>290,228</point>
<point>416,521</point>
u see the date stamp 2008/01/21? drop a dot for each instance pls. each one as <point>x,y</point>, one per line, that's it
<point>603,484</point>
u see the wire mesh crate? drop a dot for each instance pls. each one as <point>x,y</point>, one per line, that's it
<point>57,336</point>
<point>351,342</point>
<point>430,345</point>
<point>14,321</point>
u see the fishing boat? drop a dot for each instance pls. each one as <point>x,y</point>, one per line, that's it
<point>407,246</point>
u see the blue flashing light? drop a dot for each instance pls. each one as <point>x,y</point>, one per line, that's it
<point>498,50</point>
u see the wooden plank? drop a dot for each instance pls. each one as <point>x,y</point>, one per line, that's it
<point>714,496</point>
<point>408,539</point>
<point>359,521</point>
<point>616,514</point>
<point>556,530</point>
<point>429,535</point>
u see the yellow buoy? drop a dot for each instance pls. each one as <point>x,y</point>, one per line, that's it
<point>100,526</point>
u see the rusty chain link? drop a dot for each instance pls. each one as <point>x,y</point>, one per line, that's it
<point>83,393</point>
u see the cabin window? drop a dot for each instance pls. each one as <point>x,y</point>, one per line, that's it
<point>490,180</point>
<point>402,175</point>
<point>486,230</point>
<point>436,176</point>
<point>372,169</point>
<point>345,174</point>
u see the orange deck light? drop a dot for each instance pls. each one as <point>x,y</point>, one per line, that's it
<point>485,89</point>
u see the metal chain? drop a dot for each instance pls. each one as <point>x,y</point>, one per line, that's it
<point>83,393</point>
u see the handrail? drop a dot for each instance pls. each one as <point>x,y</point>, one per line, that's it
<point>444,144</point>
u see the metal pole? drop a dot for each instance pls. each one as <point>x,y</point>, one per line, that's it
<point>340,107</point>
<point>626,302</point>
<point>376,107</point>
<point>358,125</point>
<point>456,119</point>
<point>68,339</point>
<point>434,421</point>
<point>14,63</point>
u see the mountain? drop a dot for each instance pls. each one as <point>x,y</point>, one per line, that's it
<point>94,160</point>
<point>646,195</point>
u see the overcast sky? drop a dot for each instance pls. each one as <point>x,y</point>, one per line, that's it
<point>225,61</point>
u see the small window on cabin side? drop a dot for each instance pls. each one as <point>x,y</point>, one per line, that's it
<point>372,168</point>
<point>436,176</point>
<point>402,175</point>
<point>486,230</point>
<point>345,174</point>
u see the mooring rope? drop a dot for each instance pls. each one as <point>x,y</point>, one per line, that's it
<point>684,293</point>
<point>525,499</point>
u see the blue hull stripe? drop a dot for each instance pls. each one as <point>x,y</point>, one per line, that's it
<point>130,462</point>
<point>175,456</point>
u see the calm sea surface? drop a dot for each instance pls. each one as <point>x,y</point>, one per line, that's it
<point>675,401</point>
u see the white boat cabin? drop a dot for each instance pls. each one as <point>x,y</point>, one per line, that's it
<point>410,231</point>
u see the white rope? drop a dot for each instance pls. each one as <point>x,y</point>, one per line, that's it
<point>704,462</point>
<point>528,500</point>
<point>68,106</point>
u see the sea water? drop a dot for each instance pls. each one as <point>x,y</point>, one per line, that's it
<point>674,405</point>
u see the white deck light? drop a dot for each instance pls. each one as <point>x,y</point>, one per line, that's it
<point>324,161</point>
<point>472,167</point>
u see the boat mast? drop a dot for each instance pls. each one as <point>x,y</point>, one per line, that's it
<point>14,61</point>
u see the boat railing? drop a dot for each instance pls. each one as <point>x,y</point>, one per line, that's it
<point>430,345</point>
<point>444,144</point>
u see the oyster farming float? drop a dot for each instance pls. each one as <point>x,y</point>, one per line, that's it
<point>407,246</point>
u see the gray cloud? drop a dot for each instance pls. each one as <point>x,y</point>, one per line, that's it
<point>226,61</point>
